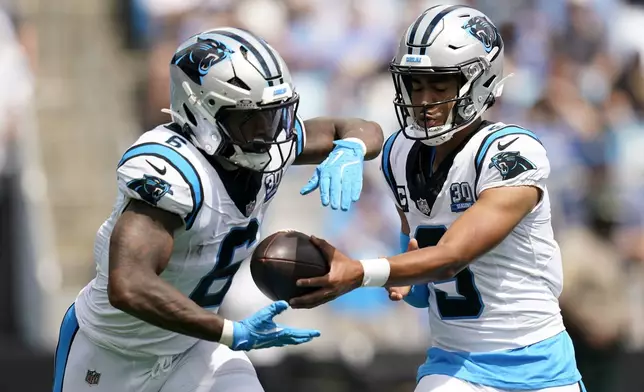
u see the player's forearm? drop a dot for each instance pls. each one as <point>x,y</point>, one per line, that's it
<point>424,265</point>
<point>321,132</point>
<point>368,131</point>
<point>153,300</point>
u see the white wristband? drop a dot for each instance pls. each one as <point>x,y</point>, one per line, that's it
<point>360,142</point>
<point>376,272</point>
<point>227,333</point>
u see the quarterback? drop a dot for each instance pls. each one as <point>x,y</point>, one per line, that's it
<point>192,195</point>
<point>473,196</point>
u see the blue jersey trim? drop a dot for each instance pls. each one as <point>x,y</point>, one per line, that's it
<point>181,164</point>
<point>68,330</point>
<point>546,364</point>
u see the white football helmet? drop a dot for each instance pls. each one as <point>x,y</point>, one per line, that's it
<point>448,40</point>
<point>233,96</point>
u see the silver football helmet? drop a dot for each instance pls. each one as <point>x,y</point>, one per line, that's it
<point>233,96</point>
<point>448,40</point>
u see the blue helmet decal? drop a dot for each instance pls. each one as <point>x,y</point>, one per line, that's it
<point>484,31</point>
<point>197,59</point>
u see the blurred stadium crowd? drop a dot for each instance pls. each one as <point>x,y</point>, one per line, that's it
<point>578,83</point>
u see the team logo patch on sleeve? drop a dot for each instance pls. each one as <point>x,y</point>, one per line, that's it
<point>150,188</point>
<point>510,164</point>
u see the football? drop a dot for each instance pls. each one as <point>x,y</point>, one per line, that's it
<point>283,258</point>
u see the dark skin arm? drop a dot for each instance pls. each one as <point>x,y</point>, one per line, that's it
<point>476,232</point>
<point>140,249</point>
<point>321,132</point>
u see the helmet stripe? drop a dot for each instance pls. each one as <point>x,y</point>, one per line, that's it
<point>253,49</point>
<point>270,51</point>
<point>414,29</point>
<point>432,25</point>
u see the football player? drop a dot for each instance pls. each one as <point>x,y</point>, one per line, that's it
<point>192,195</point>
<point>473,196</point>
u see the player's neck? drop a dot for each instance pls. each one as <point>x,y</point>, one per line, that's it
<point>443,150</point>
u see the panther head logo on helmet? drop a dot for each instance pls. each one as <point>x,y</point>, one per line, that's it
<point>197,59</point>
<point>483,30</point>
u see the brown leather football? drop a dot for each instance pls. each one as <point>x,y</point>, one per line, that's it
<point>281,259</point>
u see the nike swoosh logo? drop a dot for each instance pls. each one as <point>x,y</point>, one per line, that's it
<point>263,344</point>
<point>504,146</point>
<point>336,157</point>
<point>160,171</point>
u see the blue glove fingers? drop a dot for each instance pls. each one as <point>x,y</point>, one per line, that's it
<point>311,185</point>
<point>325,184</point>
<point>270,311</point>
<point>345,197</point>
<point>356,187</point>
<point>335,190</point>
<point>295,342</point>
<point>297,336</point>
<point>418,296</point>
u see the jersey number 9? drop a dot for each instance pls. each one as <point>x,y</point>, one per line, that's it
<point>468,303</point>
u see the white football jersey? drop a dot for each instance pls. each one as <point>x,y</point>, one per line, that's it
<point>222,220</point>
<point>508,297</point>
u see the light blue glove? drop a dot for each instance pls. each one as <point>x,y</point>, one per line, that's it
<point>418,296</point>
<point>260,331</point>
<point>340,175</point>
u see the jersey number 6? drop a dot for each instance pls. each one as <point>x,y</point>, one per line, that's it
<point>224,270</point>
<point>468,303</point>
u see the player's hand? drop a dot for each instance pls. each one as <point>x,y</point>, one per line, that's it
<point>260,331</point>
<point>398,293</point>
<point>339,176</point>
<point>344,275</point>
<point>416,295</point>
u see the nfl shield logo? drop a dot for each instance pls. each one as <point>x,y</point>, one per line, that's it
<point>423,206</point>
<point>92,377</point>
